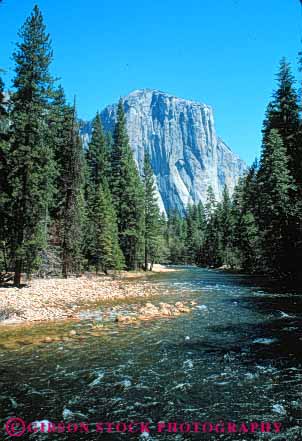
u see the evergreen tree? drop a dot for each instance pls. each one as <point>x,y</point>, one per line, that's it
<point>163,250</point>
<point>211,203</point>
<point>283,115</point>
<point>59,117</point>
<point>297,224</point>
<point>105,250</point>
<point>72,210</point>
<point>97,154</point>
<point>127,195</point>
<point>225,228</point>
<point>195,231</point>
<point>3,109</point>
<point>4,192</point>
<point>101,242</point>
<point>31,166</point>
<point>176,237</point>
<point>211,245</point>
<point>245,243</point>
<point>67,213</point>
<point>275,185</point>
<point>201,225</point>
<point>109,142</point>
<point>152,215</point>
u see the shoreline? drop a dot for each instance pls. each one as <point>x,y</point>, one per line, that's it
<point>45,300</point>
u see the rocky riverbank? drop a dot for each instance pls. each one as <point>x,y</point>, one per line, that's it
<point>61,299</point>
<point>150,311</point>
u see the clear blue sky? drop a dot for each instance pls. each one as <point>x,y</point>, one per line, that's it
<point>224,53</point>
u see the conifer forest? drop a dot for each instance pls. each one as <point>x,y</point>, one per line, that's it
<point>66,208</point>
<point>150,278</point>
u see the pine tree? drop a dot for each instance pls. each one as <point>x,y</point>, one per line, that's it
<point>97,154</point>
<point>211,203</point>
<point>176,237</point>
<point>72,210</point>
<point>225,228</point>
<point>127,195</point>
<point>105,250</point>
<point>202,225</point>
<point>163,250</point>
<point>30,157</point>
<point>195,231</point>
<point>211,245</point>
<point>152,215</point>
<point>283,115</point>
<point>3,109</point>
<point>68,210</point>
<point>101,243</point>
<point>246,249</point>
<point>4,191</point>
<point>297,223</point>
<point>192,236</point>
<point>59,117</point>
<point>275,185</point>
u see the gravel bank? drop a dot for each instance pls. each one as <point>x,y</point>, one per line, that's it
<point>59,299</point>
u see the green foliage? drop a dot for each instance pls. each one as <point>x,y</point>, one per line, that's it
<point>71,215</point>
<point>275,184</point>
<point>259,230</point>
<point>176,237</point>
<point>104,249</point>
<point>152,231</point>
<point>60,116</point>
<point>97,211</point>
<point>283,115</point>
<point>97,155</point>
<point>30,157</point>
<point>195,233</point>
<point>225,229</point>
<point>4,190</point>
<point>127,195</point>
<point>101,247</point>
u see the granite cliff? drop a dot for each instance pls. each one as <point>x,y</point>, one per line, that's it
<point>186,154</point>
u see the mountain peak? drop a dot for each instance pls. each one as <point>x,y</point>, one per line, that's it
<point>140,93</point>
<point>187,156</point>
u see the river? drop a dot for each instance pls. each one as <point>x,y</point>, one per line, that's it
<point>236,357</point>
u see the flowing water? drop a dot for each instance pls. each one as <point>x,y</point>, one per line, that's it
<point>236,357</point>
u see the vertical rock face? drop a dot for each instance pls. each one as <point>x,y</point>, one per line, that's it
<point>186,154</point>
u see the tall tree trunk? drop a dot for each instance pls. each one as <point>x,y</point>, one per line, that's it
<point>146,259</point>
<point>18,271</point>
<point>65,264</point>
<point>151,265</point>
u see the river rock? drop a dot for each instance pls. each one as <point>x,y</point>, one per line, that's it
<point>124,319</point>
<point>184,309</point>
<point>149,310</point>
<point>179,304</point>
<point>166,311</point>
<point>47,340</point>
